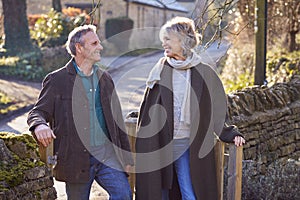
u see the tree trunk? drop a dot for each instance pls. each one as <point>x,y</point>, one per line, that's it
<point>17,38</point>
<point>261,43</point>
<point>56,5</point>
<point>292,41</point>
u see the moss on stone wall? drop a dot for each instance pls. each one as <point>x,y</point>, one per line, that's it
<point>25,156</point>
<point>22,174</point>
<point>11,138</point>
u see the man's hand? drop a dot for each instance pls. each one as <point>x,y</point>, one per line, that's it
<point>44,134</point>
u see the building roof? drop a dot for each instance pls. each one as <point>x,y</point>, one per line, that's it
<point>153,3</point>
<point>173,5</point>
<point>81,5</point>
<point>186,1</point>
<point>168,4</point>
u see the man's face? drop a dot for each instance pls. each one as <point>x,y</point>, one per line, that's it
<point>91,48</point>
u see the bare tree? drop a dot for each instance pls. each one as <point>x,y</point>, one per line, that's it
<point>212,19</point>
<point>283,20</point>
<point>291,9</point>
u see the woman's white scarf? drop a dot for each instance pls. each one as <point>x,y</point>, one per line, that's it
<point>154,77</point>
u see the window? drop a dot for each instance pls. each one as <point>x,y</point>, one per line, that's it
<point>109,12</point>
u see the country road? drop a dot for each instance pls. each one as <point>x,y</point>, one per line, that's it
<point>130,80</point>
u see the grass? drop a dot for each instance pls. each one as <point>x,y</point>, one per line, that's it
<point>9,61</point>
<point>6,105</point>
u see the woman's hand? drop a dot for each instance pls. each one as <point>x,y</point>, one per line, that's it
<point>239,141</point>
<point>128,169</point>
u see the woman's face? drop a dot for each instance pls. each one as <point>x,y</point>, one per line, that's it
<point>172,45</point>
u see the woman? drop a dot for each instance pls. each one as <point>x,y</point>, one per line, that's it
<point>182,112</point>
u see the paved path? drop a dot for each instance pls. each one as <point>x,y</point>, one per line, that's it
<point>23,92</point>
<point>130,80</point>
<point>129,75</point>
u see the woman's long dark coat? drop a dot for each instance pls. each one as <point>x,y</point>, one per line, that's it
<point>149,183</point>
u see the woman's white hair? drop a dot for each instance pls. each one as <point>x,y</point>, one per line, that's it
<point>184,29</point>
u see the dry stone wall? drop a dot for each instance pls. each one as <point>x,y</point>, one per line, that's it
<point>269,118</point>
<point>22,175</point>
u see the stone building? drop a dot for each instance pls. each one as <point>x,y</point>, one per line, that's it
<point>148,15</point>
<point>188,4</point>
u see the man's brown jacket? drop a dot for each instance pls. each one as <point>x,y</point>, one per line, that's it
<point>63,104</point>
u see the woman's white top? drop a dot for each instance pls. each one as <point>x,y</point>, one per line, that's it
<point>181,129</point>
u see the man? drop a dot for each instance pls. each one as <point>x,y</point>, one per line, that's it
<point>79,103</point>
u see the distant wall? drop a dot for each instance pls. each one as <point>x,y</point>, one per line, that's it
<point>147,23</point>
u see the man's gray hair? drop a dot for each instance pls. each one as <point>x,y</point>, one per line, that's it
<point>75,36</point>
